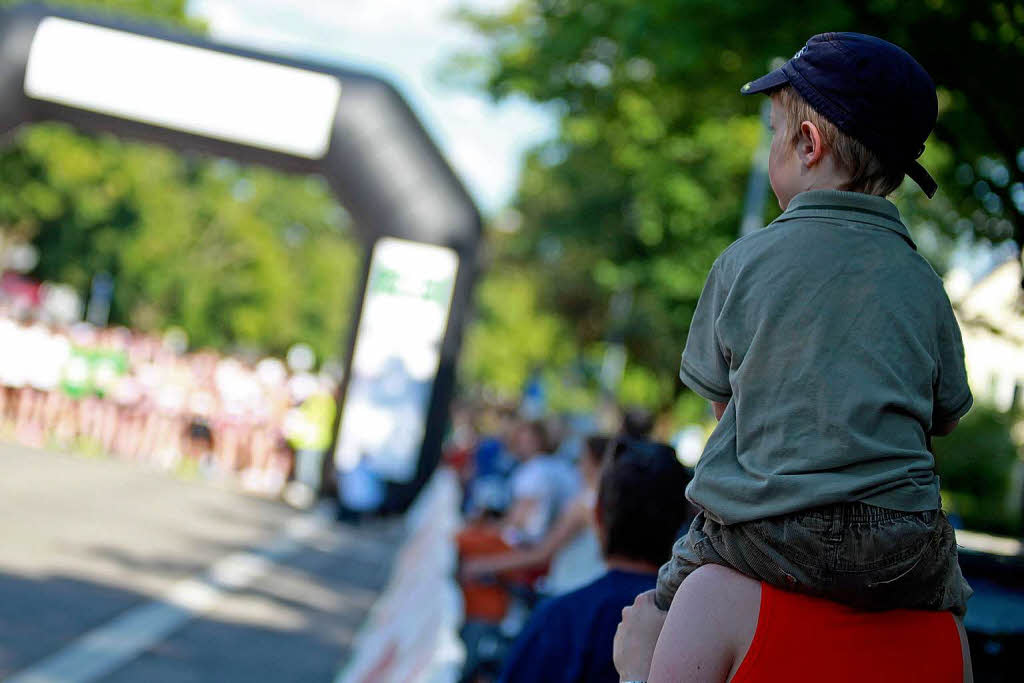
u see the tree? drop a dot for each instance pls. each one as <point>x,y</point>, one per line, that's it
<point>510,336</point>
<point>643,185</point>
<point>237,256</point>
<point>976,463</point>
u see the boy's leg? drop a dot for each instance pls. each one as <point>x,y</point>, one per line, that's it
<point>956,591</point>
<point>856,554</point>
<point>689,552</point>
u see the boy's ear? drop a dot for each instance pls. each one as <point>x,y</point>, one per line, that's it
<point>809,147</point>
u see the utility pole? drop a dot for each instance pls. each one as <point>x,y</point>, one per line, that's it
<point>614,363</point>
<point>757,183</point>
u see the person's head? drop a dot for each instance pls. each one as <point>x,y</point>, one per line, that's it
<point>198,439</point>
<point>809,152</point>
<point>529,438</point>
<point>592,458</point>
<point>637,423</point>
<point>640,501</point>
<point>849,112</point>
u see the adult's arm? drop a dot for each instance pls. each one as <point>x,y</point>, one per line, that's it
<point>945,428</point>
<point>719,409</point>
<point>575,518</point>
<point>965,652</point>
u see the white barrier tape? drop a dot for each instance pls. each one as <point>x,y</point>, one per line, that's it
<point>411,634</point>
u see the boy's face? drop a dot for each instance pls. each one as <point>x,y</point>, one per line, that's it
<point>783,163</point>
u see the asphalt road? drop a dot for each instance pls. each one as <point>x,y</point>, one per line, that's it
<point>117,569</point>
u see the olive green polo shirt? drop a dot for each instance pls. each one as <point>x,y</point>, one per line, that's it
<point>835,346</point>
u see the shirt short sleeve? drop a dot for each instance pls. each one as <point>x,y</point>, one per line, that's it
<point>705,366</point>
<point>952,394</point>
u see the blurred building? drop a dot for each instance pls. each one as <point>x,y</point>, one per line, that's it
<point>990,309</point>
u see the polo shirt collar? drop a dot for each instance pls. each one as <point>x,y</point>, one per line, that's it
<point>848,206</point>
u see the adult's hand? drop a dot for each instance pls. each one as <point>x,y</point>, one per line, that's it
<point>636,638</point>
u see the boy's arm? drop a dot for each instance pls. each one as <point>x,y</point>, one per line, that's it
<point>719,409</point>
<point>952,397</point>
<point>705,365</point>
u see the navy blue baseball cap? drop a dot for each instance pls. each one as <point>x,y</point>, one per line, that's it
<point>872,90</point>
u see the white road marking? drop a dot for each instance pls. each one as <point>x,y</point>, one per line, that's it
<point>106,648</point>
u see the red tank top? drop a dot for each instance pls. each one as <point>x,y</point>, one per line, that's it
<point>801,639</point>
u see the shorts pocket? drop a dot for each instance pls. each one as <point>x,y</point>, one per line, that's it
<point>887,549</point>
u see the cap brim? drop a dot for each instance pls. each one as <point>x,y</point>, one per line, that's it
<point>767,82</point>
<point>924,179</point>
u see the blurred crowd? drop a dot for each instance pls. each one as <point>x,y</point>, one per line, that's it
<point>563,527</point>
<point>143,397</point>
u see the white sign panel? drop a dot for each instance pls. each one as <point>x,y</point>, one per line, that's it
<point>186,88</point>
<point>396,357</point>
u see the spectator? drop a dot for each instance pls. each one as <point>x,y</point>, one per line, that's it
<point>639,514</point>
<point>540,486</point>
<point>572,546</point>
<point>308,428</point>
<point>491,465</point>
<point>637,423</point>
<point>723,626</point>
<point>142,397</point>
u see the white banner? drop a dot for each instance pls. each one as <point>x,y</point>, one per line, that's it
<point>412,633</point>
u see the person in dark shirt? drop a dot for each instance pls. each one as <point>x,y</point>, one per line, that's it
<point>639,514</point>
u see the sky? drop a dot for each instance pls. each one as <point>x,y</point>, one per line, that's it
<point>407,41</point>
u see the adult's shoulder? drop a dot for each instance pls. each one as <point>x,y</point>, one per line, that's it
<point>551,620</point>
<point>584,596</point>
<point>539,651</point>
<point>732,598</point>
<point>709,627</point>
<point>612,590</point>
<point>564,617</point>
<point>724,586</point>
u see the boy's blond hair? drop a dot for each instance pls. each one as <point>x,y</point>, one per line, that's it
<point>868,174</point>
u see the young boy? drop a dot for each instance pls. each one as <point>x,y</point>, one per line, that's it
<point>830,352</point>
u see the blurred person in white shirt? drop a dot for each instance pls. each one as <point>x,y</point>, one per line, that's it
<point>572,546</point>
<point>540,486</point>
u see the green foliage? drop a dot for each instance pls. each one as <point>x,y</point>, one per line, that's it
<point>511,335</point>
<point>644,183</point>
<point>691,409</point>
<point>237,256</point>
<point>975,463</point>
<point>170,12</point>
